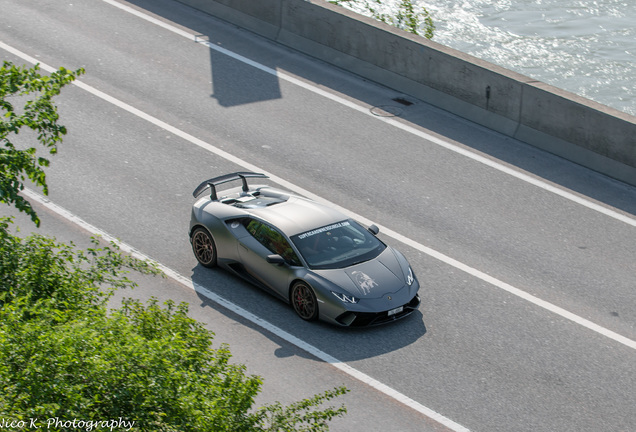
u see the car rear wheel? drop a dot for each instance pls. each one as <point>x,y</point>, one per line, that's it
<point>203,247</point>
<point>304,301</point>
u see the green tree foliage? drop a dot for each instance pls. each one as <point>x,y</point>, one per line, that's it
<point>64,356</point>
<point>403,14</point>
<point>39,114</point>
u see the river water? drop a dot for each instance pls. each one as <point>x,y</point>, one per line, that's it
<point>587,47</point>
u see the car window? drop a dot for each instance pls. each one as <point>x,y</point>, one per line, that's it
<point>337,245</point>
<point>273,240</point>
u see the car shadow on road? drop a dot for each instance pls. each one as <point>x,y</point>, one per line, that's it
<point>275,319</point>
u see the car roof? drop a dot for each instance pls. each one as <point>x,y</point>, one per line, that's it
<point>297,215</point>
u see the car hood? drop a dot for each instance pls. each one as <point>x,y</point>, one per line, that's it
<point>370,279</point>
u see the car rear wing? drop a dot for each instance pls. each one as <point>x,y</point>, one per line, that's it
<point>214,182</point>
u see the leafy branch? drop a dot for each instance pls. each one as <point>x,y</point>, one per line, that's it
<point>403,14</point>
<point>38,114</point>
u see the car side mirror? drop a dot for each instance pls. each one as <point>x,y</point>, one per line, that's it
<point>275,259</point>
<point>373,229</point>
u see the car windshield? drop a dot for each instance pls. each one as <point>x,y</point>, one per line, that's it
<point>338,245</point>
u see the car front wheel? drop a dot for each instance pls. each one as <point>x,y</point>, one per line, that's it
<point>203,247</point>
<point>304,301</point>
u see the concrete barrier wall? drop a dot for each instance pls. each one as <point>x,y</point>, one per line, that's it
<point>576,128</point>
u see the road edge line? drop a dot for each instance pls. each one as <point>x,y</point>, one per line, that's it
<point>266,325</point>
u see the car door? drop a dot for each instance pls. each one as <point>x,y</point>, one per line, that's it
<point>265,240</point>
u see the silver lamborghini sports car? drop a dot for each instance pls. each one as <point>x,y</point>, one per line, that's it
<point>325,264</point>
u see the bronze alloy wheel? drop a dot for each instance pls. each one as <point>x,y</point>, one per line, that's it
<point>304,301</point>
<point>203,247</point>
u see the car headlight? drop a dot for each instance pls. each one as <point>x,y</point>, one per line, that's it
<point>409,277</point>
<point>346,298</point>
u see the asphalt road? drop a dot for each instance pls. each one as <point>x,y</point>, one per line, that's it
<point>526,261</point>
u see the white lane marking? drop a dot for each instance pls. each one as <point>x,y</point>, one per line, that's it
<point>365,110</point>
<point>174,275</point>
<point>297,189</point>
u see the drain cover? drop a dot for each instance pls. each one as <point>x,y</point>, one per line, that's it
<point>403,101</point>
